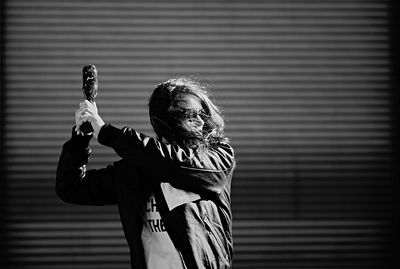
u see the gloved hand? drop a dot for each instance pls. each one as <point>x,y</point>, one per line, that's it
<point>88,112</point>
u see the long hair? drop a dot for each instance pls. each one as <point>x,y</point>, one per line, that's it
<point>174,130</point>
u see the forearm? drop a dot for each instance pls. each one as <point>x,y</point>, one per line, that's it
<point>129,144</point>
<point>76,185</point>
<point>71,167</point>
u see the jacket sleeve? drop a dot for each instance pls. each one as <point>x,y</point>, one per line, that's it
<point>197,172</point>
<point>76,185</point>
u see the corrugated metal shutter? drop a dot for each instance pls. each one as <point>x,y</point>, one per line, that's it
<point>305,86</point>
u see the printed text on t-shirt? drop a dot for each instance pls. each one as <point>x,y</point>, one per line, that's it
<point>154,220</point>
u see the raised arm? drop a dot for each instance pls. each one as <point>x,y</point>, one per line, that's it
<point>183,168</point>
<point>207,172</point>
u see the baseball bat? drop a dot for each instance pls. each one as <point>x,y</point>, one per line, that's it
<point>90,87</point>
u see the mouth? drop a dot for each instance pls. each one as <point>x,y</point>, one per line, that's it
<point>196,125</point>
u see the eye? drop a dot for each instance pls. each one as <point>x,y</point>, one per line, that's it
<point>203,115</point>
<point>194,114</point>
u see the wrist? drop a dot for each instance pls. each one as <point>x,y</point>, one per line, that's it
<point>80,140</point>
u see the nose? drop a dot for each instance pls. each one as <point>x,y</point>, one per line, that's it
<point>199,118</point>
<point>200,121</point>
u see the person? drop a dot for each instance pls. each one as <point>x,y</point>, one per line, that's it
<point>172,190</point>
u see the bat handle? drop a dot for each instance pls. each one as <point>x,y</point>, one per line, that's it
<point>86,128</point>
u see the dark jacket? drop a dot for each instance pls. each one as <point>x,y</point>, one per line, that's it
<point>200,230</point>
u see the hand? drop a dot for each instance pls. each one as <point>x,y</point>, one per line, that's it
<point>88,112</point>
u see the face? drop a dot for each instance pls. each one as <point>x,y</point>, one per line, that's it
<point>188,109</point>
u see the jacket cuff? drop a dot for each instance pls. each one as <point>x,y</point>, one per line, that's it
<point>79,141</point>
<point>108,135</point>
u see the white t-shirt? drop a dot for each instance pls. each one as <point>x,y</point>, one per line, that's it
<point>159,250</point>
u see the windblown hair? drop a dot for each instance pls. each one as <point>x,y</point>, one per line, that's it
<point>174,130</point>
